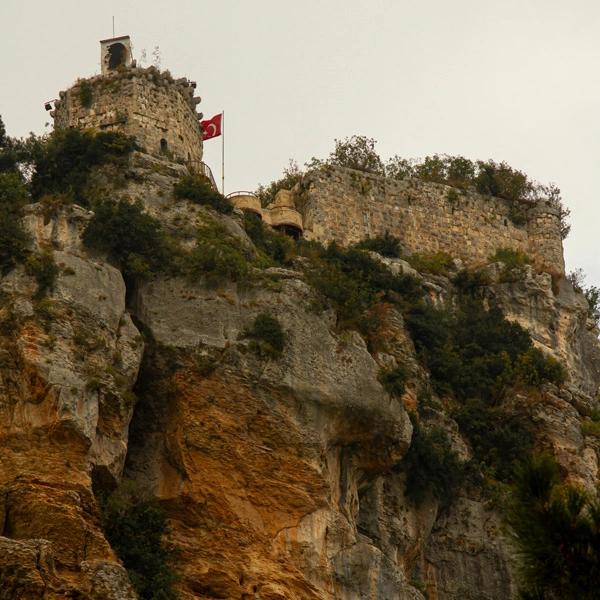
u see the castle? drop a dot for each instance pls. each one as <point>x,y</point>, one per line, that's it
<point>330,204</point>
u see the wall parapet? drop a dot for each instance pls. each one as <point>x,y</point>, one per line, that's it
<point>346,206</point>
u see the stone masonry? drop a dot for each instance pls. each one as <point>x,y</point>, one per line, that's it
<point>157,110</point>
<point>347,206</point>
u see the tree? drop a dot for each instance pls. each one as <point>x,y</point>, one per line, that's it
<point>2,133</point>
<point>356,152</point>
<point>13,238</point>
<point>591,293</point>
<point>290,177</point>
<point>13,196</point>
<point>556,530</point>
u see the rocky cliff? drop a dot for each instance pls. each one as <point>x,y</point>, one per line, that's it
<point>279,478</point>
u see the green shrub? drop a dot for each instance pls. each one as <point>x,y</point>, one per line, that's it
<point>591,293</point>
<point>13,238</point>
<point>517,215</point>
<point>64,160</point>
<point>439,263</point>
<point>44,269</point>
<point>198,189</point>
<point>460,171</point>
<point>290,177</point>
<point>135,531</point>
<point>394,380</point>
<point>277,246</point>
<point>267,338</point>
<point>512,259</point>
<point>472,352</point>
<point>470,283</point>
<point>431,466</point>
<point>500,439</point>
<point>533,368</point>
<point>310,249</point>
<point>554,529</point>
<point>386,245</point>
<point>475,356</point>
<point>353,282</point>
<point>502,181</point>
<point>10,152</point>
<point>131,238</point>
<point>355,152</point>
<point>452,196</point>
<point>399,168</point>
<point>432,168</point>
<point>591,428</point>
<point>86,94</point>
<point>217,257</point>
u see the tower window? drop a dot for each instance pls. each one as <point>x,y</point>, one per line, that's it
<point>117,54</point>
<point>164,146</point>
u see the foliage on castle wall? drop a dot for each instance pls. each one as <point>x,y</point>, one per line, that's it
<point>150,105</point>
<point>347,206</point>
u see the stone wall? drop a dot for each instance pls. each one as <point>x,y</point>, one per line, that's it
<point>347,206</point>
<point>145,103</point>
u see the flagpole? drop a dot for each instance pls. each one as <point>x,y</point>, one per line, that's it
<point>223,153</point>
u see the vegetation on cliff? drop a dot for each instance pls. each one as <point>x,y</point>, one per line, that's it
<point>198,189</point>
<point>62,162</point>
<point>132,239</point>
<point>292,175</point>
<point>13,197</point>
<point>476,356</point>
<point>352,282</point>
<point>432,466</point>
<point>267,337</point>
<point>135,527</point>
<point>217,257</point>
<point>591,293</point>
<point>556,530</point>
<point>387,245</point>
<point>275,246</point>
<point>56,169</point>
<point>13,238</point>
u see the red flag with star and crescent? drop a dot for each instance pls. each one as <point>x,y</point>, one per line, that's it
<point>212,127</point>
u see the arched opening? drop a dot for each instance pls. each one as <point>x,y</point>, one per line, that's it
<point>164,146</point>
<point>292,231</point>
<point>117,55</point>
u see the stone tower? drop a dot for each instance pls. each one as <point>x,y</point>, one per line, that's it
<point>159,111</point>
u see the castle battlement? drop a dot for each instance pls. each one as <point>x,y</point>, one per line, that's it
<point>346,206</point>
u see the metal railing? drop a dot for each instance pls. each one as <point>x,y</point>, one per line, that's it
<point>241,193</point>
<point>200,167</point>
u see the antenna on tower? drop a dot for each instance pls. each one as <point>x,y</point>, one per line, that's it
<point>113,26</point>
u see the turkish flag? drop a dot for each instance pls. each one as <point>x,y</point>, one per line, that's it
<point>212,127</point>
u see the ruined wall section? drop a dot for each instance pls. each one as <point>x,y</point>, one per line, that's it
<point>347,206</point>
<point>145,103</point>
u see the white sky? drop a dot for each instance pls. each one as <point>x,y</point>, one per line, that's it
<point>514,80</point>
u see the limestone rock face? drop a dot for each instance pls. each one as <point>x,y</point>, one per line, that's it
<point>67,366</point>
<point>269,457</point>
<point>556,317</point>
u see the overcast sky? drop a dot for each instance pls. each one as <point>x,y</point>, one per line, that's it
<point>513,80</point>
